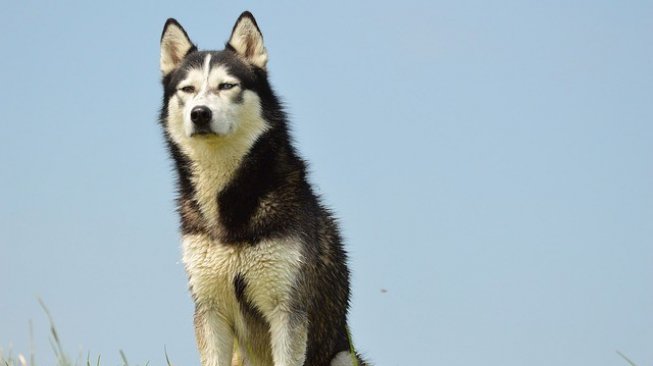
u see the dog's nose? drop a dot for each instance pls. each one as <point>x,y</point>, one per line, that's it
<point>201,115</point>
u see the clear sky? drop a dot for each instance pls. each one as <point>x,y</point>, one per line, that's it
<point>491,164</point>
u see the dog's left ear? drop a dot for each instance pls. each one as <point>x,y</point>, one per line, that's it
<point>247,41</point>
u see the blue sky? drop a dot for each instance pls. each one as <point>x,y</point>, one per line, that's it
<point>490,163</point>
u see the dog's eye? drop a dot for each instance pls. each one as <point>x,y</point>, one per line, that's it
<point>226,86</point>
<point>188,89</point>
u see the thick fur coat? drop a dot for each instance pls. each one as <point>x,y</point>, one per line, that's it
<point>265,261</point>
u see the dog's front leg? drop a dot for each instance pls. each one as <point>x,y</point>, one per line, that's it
<point>288,334</point>
<point>215,338</point>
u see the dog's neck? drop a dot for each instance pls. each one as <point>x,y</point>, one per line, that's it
<point>214,163</point>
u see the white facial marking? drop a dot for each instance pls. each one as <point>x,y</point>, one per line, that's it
<point>226,112</point>
<point>206,70</point>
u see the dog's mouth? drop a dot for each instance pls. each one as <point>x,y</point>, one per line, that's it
<point>211,129</point>
<point>203,134</point>
<point>203,131</point>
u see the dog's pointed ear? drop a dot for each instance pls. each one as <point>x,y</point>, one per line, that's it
<point>175,45</point>
<point>247,41</point>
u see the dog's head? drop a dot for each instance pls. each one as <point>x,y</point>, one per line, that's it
<point>212,96</point>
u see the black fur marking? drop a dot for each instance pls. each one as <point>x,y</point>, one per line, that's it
<point>246,306</point>
<point>238,99</point>
<point>236,67</point>
<point>239,288</point>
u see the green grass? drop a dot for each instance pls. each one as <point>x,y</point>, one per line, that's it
<point>62,358</point>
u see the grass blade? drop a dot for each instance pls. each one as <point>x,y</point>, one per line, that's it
<point>124,358</point>
<point>626,358</point>
<point>32,347</point>
<point>55,342</point>
<point>165,351</point>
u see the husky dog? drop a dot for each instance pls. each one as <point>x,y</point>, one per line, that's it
<point>266,266</point>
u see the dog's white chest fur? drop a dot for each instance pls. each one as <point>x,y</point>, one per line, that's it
<point>270,271</point>
<point>269,268</point>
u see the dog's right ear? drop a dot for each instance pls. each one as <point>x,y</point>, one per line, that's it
<point>175,45</point>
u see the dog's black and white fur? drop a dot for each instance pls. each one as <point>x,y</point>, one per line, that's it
<point>266,265</point>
